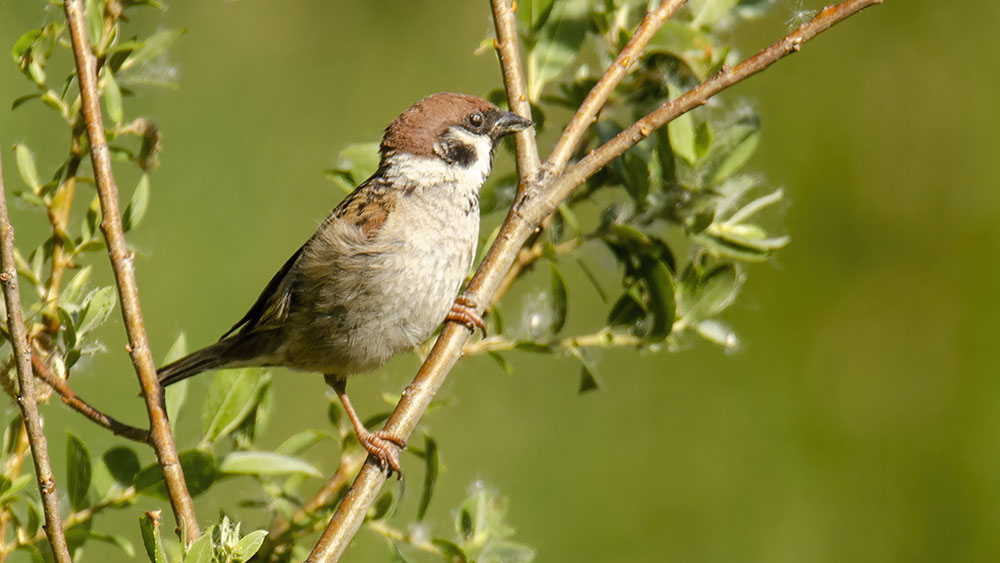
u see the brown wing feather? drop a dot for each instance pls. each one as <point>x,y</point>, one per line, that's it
<point>367,207</point>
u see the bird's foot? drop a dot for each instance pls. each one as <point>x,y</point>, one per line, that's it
<point>385,446</point>
<point>463,311</point>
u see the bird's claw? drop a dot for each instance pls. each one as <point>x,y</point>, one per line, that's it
<point>463,311</point>
<point>385,447</point>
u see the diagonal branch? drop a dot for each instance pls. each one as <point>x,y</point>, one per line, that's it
<point>121,263</point>
<point>526,215</point>
<point>26,384</point>
<point>517,90</point>
<point>699,95</point>
<point>599,94</point>
<point>83,407</point>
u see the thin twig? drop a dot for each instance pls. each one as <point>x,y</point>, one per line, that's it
<point>70,398</point>
<point>396,535</point>
<point>517,90</point>
<point>26,381</point>
<point>598,95</point>
<point>525,216</point>
<point>604,338</point>
<point>122,264</point>
<point>77,518</point>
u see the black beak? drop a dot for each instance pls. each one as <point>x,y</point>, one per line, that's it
<point>508,123</point>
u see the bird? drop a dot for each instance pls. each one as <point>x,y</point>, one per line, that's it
<point>385,267</point>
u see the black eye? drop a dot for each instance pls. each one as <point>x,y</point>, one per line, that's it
<point>475,120</point>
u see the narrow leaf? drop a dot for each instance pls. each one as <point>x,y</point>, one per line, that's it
<point>248,546</point>
<point>78,471</point>
<point>137,206</point>
<point>26,167</point>
<point>113,98</point>
<point>99,304</point>
<point>265,463</point>
<point>231,398</point>
<point>431,468</point>
<point>558,300</point>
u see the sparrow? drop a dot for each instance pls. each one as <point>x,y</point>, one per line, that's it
<point>383,270</point>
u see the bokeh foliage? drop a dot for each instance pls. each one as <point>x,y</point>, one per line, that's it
<point>863,395</point>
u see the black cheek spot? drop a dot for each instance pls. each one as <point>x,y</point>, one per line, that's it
<point>460,153</point>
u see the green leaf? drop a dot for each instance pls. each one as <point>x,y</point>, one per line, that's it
<point>137,206</point>
<point>702,139</point>
<point>588,375</point>
<point>531,14</point>
<point>18,102</point>
<point>202,550</point>
<point>154,46</point>
<point>662,300</point>
<point>450,550</point>
<point>199,472</point>
<point>113,98</point>
<point>558,44</point>
<point>737,157</point>
<point>72,294</point>
<point>354,164</point>
<point>502,362</point>
<point>712,293</point>
<point>122,463</point>
<point>558,300</point>
<point>248,546</point>
<point>26,167</point>
<point>627,311</point>
<point>78,471</point>
<point>707,13</point>
<point>97,308</point>
<point>23,44</point>
<point>265,463</point>
<point>9,488</point>
<point>382,507</point>
<point>93,12</point>
<point>431,467</point>
<point>302,441</point>
<point>231,397</point>
<point>682,137</point>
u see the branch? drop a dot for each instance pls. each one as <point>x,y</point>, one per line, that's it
<point>698,96</point>
<point>598,95</point>
<point>526,215</point>
<point>77,518</point>
<point>517,90</point>
<point>121,263</point>
<point>26,383</point>
<point>70,398</point>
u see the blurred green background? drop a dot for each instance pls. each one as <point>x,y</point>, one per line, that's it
<point>860,420</point>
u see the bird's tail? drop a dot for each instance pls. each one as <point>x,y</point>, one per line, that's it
<point>236,351</point>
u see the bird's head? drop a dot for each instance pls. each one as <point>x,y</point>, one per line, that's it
<point>458,129</point>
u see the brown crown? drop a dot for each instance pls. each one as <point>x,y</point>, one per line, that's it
<point>416,129</point>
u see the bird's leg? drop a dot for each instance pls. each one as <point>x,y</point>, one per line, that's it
<point>383,445</point>
<point>463,311</point>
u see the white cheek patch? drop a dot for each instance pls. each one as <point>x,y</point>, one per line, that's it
<point>481,144</point>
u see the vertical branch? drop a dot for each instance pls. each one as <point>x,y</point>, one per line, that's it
<point>121,262</point>
<point>26,384</point>
<point>598,95</point>
<point>517,90</point>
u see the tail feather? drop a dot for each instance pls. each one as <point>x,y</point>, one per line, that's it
<point>241,350</point>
